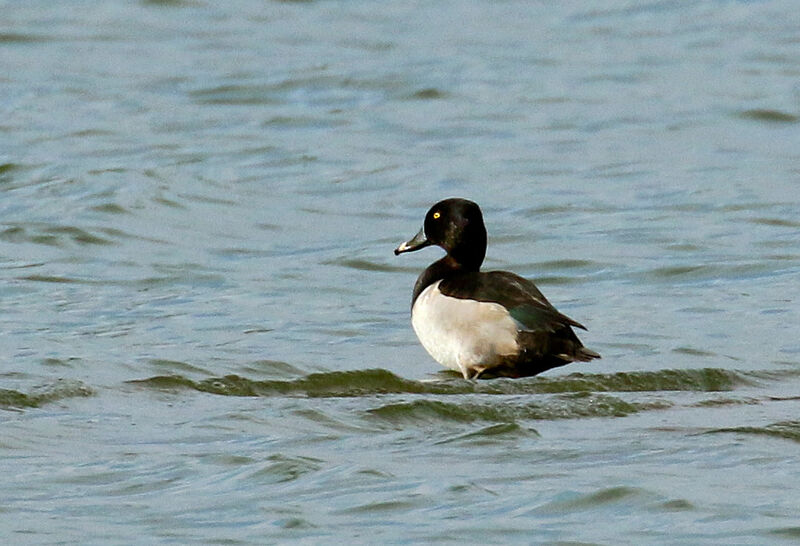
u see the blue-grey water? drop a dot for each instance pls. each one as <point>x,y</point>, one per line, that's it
<point>205,336</point>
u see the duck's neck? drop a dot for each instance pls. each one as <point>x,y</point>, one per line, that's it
<point>442,269</point>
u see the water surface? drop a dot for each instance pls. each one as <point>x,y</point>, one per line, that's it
<point>205,334</point>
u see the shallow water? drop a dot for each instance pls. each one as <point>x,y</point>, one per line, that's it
<point>205,335</point>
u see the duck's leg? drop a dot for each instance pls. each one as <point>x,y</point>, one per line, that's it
<point>477,372</point>
<point>472,373</point>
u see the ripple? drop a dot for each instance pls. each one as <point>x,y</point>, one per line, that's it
<point>283,468</point>
<point>611,495</point>
<point>52,235</point>
<point>169,3</point>
<point>19,38</point>
<point>175,366</point>
<point>429,93</point>
<point>7,171</point>
<point>692,351</point>
<point>110,208</point>
<point>727,401</point>
<point>54,279</point>
<point>365,265</point>
<point>706,272</point>
<point>492,434</point>
<point>236,94</point>
<point>303,122</point>
<point>768,115</point>
<point>321,88</point>
<point>776,222</point>
<point>45,394</point>
<point>675,505</point>
<point>787,532</point>
<point>788,430</point>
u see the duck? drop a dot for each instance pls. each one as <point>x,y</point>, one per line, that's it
<point>483,324</point>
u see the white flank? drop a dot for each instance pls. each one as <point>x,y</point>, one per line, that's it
<point>463,335</point>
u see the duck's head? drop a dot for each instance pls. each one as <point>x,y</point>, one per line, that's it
<point>456,225</point>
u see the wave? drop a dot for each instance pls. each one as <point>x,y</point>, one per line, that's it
<point>370,382</point>
<point>565,406</point>
<point>10,399</point>
<point>787,430</point>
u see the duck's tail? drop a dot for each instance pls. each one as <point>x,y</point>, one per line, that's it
<point>584,354</point>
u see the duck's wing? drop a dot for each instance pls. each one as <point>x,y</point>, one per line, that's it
<point>524,301</point>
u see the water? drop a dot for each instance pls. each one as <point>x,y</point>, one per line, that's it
<point>205,334</point>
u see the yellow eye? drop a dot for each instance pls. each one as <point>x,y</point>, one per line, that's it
<point>436,215</point>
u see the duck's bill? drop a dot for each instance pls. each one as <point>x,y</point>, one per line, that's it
<point>419,241</point>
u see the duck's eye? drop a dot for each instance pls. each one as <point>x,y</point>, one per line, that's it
<point>436,215</point>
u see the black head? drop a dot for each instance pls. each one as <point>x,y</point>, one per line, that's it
<point>456,225</point>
